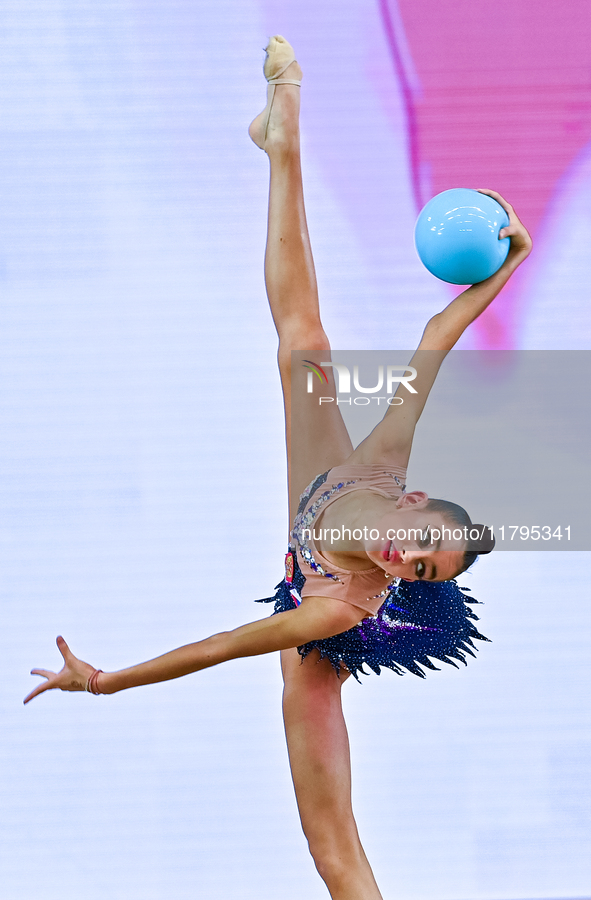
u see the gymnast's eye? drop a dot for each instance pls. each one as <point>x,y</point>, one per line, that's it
<point>425,537</point>
<point>420,570</point>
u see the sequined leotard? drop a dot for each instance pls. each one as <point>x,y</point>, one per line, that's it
<point>409,623</point>
<point>365,589</point>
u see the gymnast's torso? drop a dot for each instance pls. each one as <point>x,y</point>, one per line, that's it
<point>367,588</point>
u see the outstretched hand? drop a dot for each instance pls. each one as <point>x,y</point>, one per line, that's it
<point>73,677</point>
<point>521,242</point>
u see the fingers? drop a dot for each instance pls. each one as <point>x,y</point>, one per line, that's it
<point>38,690</point>
<point>72,677</point>
<point>63,647</point>
<point>490,193</point>
<point>500,200</point>
<point>508,231</point>
<point>45,686</point>
<point>521,240</point>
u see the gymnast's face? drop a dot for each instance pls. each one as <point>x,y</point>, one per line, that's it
<point>416,544</point>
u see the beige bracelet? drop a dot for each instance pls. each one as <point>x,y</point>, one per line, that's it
<point>92,683</point>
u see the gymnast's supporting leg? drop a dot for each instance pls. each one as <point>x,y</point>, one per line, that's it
<point>315,728</point>
<point>321,769</point>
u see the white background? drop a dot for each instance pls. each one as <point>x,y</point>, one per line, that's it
<point>142,494</point>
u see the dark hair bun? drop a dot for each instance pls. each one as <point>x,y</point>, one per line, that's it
<point>484,542</point>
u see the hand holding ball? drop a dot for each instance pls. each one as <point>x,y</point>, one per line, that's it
<point>457,236</point>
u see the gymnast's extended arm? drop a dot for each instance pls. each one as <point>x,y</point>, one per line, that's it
<point>316,618</point>
<point>391,441</point>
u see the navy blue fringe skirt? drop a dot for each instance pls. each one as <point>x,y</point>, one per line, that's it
<point>418,622</point>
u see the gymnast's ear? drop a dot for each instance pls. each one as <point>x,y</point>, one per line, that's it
<point>416,499</point>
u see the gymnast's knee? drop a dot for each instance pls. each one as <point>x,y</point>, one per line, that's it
<point>335,858</point>
<point>304,337</point>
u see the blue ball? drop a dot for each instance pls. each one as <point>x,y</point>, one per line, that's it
<point>457,236</point>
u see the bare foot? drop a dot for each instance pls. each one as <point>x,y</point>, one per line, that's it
<point>277,127</point>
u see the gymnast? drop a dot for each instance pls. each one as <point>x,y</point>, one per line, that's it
<point>375,601</point>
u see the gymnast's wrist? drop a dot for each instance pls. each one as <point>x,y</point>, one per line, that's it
<point>511,263</point>
<point>517,255</point>
<point>100,682</point>
<point>107,683</point>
